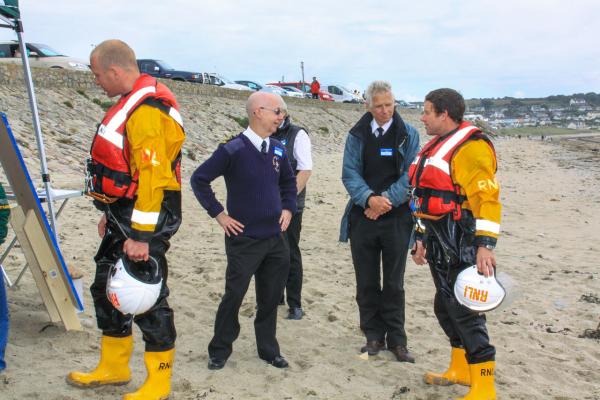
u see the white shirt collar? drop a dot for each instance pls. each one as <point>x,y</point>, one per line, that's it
<point>385,126</point>
<point>255,139</point>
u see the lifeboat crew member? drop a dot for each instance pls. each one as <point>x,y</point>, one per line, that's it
<point>456,202</point>
<point>135,180</point>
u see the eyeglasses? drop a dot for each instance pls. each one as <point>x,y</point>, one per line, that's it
<point>278,111</point>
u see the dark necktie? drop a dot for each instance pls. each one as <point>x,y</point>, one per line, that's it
<point>379,132</point>
<point>263,147</point>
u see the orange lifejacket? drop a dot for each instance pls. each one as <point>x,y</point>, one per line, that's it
<point>110,173</point>
<point>434,192</point>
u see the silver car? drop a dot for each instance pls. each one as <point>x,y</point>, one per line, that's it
<point>40,56</point>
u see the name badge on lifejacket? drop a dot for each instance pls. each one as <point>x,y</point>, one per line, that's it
<point>278,151</point>
<point>385,152</point>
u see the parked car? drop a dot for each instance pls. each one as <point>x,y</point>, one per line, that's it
<point>404,104</point>
<point>251,84</point>
<point>292,92</point>
<point>298,92</point>
<point>305,87</point>
<point>41,56</point>
<point>283,91</point>
<point>274,89</point>
<point>161,69</point>
<point>340,93</point>
<point>212,78</point>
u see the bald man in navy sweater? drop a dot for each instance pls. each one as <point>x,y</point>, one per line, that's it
<point>261,199</point>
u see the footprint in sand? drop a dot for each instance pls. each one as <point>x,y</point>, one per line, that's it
<point>214,296</point>
<point>247,310</point>
<point>316,293</point>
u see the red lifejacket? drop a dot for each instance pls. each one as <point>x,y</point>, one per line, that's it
<point>109,168</point>
<point>434,192</point>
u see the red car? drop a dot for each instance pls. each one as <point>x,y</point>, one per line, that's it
<point>305,87</point>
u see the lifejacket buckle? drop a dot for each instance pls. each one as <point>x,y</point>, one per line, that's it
<point>89,175</point>
<point>414,202</point>
<point>101,197</point>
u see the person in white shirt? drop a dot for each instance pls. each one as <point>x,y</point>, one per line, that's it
<point>297,143</point>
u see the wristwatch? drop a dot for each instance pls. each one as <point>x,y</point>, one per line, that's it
<point>488,246</point>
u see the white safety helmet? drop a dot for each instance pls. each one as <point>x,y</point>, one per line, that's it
<point>476,292</point>
<point>134,287</point>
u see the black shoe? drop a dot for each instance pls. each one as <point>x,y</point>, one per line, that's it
<point>295,313</point>
<point>215,363</point>
<point>373,347</point>
<point>402,354</point>
<point>278,362</point>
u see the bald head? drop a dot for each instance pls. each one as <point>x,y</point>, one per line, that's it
<point>263,99</point>
<point>265,111</point>
<point>114,66</point>
<point>114,52</point>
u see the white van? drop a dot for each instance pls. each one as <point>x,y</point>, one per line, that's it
<point>340,93</point>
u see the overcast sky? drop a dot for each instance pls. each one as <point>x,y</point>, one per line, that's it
<point>520,48</point>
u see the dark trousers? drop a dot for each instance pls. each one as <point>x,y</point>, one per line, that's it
<point>293,287</point>
<point>373,243</point>
<point>315,96</point>
<point>463,327</point>
<point>268,261</point>
<point>157,324</point>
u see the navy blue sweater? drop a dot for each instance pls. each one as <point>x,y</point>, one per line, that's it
<point>259,185</point>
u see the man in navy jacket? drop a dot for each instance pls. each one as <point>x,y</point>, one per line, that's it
<point>261,199</point>
<point>379,150</point>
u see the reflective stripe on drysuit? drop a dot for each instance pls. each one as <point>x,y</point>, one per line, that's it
<point>155,142</point>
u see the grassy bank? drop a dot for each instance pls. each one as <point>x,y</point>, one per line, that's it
<point>539,130</point>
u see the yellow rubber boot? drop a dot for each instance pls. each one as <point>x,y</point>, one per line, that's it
<point>482,382</point>
<point>158,383</point>
<point>457,372</point>
<point>113,368</point>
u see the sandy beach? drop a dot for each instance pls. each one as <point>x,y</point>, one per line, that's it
<point>549,245</point>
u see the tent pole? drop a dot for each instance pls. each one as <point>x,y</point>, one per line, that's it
<point>36,127</point>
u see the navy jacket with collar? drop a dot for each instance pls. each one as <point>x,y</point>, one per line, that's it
<point>353,165</point>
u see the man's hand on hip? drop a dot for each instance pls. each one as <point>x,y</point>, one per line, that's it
<point>229,225</point>
<point>136,251</point>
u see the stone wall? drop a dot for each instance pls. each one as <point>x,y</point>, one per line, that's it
<point>12,75</point>
<point>70,106</point>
